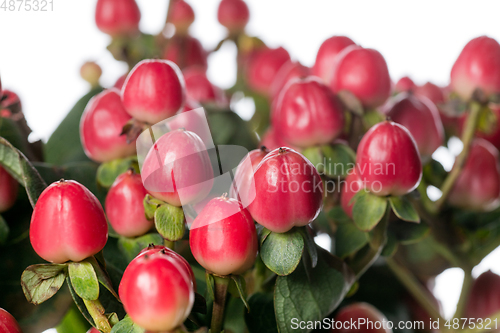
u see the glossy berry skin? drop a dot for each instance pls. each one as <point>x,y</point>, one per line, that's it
<point>484,296</point>
<point>185,174</point>
<point>151,249</point>
<point>196,55</point>
<point>234,15</point>
<point>153,91</point>
<point>405,84</point>
<point>156,292</point>
<point>101,126</point>
<point>117,17</point>
<point>308,113</point>
<point>289,71</point>
<point>421,118</point>
<point>327,55</point>
<point>354,312</point>
<point>388,161</point>
<point>478,185</point>
<point>124,206</point>
<point>8,323</point>
<point>181,16</point>
<point>8,190</point>
<point>351,186</point>
<point>223,238</point>
<point>364,73</point>
<point>477,66</point>
<point>243,188</point>
<point>289,191</point>
<point>199,88</point>
<point>263,66</point>
<point>68,223</point>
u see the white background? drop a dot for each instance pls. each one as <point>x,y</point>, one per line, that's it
<point>41,53</point>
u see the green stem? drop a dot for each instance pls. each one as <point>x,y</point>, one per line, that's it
<point>415,288</point>
<point>467,136</point>
<point>220,291</point>
<point>168,243</point>
<point>464,294</point>
<point>96,310</point>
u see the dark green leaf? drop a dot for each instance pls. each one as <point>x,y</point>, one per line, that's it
<point>349,239</point>
<point>200,304</point>
<point>228,128</point>
<point>64,144</point>
<point>169,222</point>
<point>310,244</point>
<point>234,321</point>
<point>404,209</point>
<point>84,280</point>
<point>409,233</point>
<point>10,131</point>
<point>262,233</point>
<point>126,325</point>
<point>310,297</point>
<point>337,214</point>
<point>338,161</point>
<point>261,318</point>
<point>79,303</point>
<point>130,247</point>
<point>4,231</point>
<point>239,282</point>
<point>103,277</point>
<point>108,172</point>
<point>281,253</point>
<point>391,245</point>
<point>41,282</point>
<point>368,210</point>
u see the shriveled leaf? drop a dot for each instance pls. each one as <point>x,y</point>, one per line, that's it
<point>368,210</point>
<point>404,209</point>
<point>126,325</point>
<point>84,280</point>
<point>281,253</point>
<point>170,222</point>
<point>349,239</point>
<point>41,282</point>
<point>310,297</point>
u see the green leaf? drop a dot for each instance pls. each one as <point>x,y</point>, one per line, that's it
<point>4,231</point>
<point>391,246</point>
<point>310,297</point>
<point>41,282</point>
<point>130,247</point>
<point>200,304</point>
<point>368,210</point>
<point>22,170</point>
<point>338,161</point>
<point>281,253</point>
<point>310,244</point>
<point>11,132</point>
<point>239,282</point>
<point>170,222</point>
<point>262,233</point>
<point>109,171</point>
<point>103,277</point>
<point>228,128</point>
<point>64,144</point>
<point>150,206</point>
<point>338,215</point>
<point>404,209</point>
<point>210,285</point>
<point>79,303</point>
<point>409,233</point>
<point>349,239</point>
<point>372,118</point>
<point>261,318</point>
<point>315,156</point>
<point>73,322</point>
<point>84,280</point>
<point>126,325</point>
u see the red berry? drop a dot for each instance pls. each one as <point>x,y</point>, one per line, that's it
<point>194,54</point>
<point>243,187</point>
<point>181,16</point>
<point>388,161</point>
<point>120,82</point>
<point>263,66</point>
<point>199,88</point>
<point>421,118</point>
<point>478,185</point>
<point>117,17</point>
<point>8,190</point>
<point>153,91</point>
<point>10,100</point>
<point>431,91</point>
<point>101,127</point>
<point>477,66</point>
<point>223,237</point>
<point>364,73</point>
<point>351,186</point>
<point>124,205</point>
<point>91,72</point>
<point>93,330</point>
<point>289,191</point>
<point>177,168</point>
<point>68,223</point>
<point>288,72</point>
<point>8,323</point>
<point>375,321</point>
<point>234,15</point>
<point>174,255</point>
<point>156,292</point>
<point>405,84</point>
<point>484,296</point>
<point>308,113</point>
<point>327,55</point>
